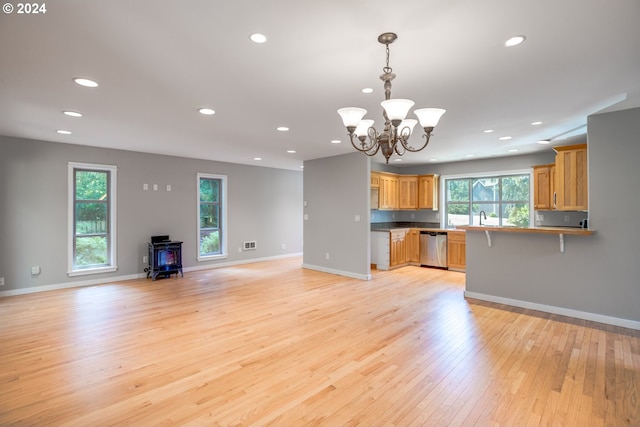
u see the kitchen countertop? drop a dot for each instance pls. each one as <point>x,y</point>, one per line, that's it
<point>432,229</point>
<point>540,230</point>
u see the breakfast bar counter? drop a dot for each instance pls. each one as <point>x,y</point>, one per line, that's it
<point>560,231</point>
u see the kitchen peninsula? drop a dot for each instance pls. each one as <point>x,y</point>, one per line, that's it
<point>559,231</point>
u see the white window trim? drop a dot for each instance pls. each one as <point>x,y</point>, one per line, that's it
<point>225,253</point>
<point>443,189</point>
<point>112,218</point>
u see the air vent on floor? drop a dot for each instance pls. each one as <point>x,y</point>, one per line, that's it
<point>250,245</point>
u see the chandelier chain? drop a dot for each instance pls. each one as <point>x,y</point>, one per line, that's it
<point>387,69</point>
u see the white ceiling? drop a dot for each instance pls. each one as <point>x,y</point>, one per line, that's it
<point>158,61</point>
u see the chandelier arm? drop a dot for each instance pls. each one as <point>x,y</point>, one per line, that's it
<point>397,149</point>
<point>406,145</point>
<point>372,153</point>
<point>364,147</point>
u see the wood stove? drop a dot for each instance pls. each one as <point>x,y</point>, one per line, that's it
<point>165,257</point>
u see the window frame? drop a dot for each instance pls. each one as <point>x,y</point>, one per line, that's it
<point>222,221</point>
<point>480,175</point>
<point>112,265</point>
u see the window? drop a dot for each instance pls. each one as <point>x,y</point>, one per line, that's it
<point>212,214</point>
<point>92,220</point>
<point>503,198</point>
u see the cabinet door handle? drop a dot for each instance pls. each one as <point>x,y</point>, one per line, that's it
<point>554,200</point>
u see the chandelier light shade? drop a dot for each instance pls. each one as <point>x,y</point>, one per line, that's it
<point>394,138</point>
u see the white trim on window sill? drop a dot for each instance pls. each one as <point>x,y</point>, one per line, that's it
<point>92,271</point>
<point>201,258</point>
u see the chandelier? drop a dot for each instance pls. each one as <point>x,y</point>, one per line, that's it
<point>397,128</point>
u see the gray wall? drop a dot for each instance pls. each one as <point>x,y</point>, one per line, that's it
<point>336,189</point>
<point>264,204</point>
<point>597,274</point>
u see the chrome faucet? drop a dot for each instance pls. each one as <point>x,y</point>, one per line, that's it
<point>485,216</point>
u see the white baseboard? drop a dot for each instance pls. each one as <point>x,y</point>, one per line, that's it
<point>78,284</point>
<point>244,261</point>
<point>338,272</point>
<point>101,281</point>
<point>609,320</point>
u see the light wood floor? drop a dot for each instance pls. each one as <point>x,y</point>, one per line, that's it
<point>273,344</point>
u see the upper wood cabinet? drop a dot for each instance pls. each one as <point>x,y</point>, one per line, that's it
<point>405,191</point>
<point>571,178</point>
<point>388,193</point>
<point>428,192</point>
<point>543,187</point>
<point>375,180</point>
<point>408,191</point>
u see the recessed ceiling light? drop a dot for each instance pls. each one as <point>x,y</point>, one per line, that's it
<point>72,113</point>
<point>302,167</point>
<point>544,141</point>
<point>291,151</point>
<point>487,130</point>
<point>283,129</point>
<point>513,150</point>
<point>367,90</point>
<point>514,41</point>
<point>336,141</point>
<point>85,82</point>
<point>504,138</point>
<point>258,38</point>
<point>206,111</point>
<point>397,159</point>
<point>536,123</point>
<point>470,155</point>
<point>64,132</point>
<point>257,158</point>
<point>433,160</point>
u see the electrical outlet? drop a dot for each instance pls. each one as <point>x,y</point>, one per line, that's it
<point>567,218</point>
<point>1,281</point>
<point>284,246</point>
<point>145,259</point>
<point>35,271</point>
<point>327,255</point>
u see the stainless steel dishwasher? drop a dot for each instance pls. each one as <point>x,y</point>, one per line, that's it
<point>433,249</point>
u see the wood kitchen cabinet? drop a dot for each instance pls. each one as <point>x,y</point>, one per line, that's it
<point>571,178</point>
<point>408,191</point>
<point>388,192</point>
<point>543,186</point>
<point>428,192</point>
<point>375,180</point>
<point>398,248</point>
<point>413,246</point>
<point>457,250</point>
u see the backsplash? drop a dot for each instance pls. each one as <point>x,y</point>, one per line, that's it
<point>560,218</point>
<point>422,215</point>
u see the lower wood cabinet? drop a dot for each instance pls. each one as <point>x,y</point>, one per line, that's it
<point>457,250</point>
<point>413,246</point>
<point>398,248</point>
